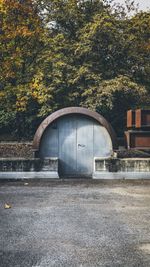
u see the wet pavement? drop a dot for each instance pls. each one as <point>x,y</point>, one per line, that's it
<point>75,224</point>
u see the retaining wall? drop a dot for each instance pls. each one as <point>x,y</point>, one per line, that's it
<point>112,168</point>
<point>128,168</point>
<point>20,168</point>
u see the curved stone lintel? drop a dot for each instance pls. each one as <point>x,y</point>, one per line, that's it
<point>73,110</point>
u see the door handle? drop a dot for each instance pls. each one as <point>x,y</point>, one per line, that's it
<point>81,145</point>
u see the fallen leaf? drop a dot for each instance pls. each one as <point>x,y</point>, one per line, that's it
<point>7,206</point>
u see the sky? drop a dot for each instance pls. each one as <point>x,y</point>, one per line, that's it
<point>143,4</point>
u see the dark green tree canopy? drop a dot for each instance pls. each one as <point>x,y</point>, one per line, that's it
<point>60,53</point>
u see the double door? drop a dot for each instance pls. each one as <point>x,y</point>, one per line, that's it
<point>75,140</point>
<point>75,146</point>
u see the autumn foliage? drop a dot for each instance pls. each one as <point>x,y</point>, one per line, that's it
<point>59,53</point>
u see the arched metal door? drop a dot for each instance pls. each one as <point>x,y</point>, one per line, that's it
<point>75,146</point>
<point>76,140</point>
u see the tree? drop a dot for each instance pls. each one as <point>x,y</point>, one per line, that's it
<point>101,45</point>
<point>114,97</point>
<point>60,53</point>
<point>138,48</point>
<point>21,40</point>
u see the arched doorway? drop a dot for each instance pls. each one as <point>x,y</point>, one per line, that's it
<point>75,136</point>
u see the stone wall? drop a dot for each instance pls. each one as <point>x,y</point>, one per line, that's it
<point>16,149</point>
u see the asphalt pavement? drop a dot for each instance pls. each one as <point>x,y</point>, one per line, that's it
<point>75,224</point>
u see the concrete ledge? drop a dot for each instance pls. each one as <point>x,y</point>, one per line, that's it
<point>21,168</point>
<point>29,175</point>
<point>47,168</point>
<point>141,165</point>
<point>28,165</point>
<point>121,175</point>
<point>54,175</point>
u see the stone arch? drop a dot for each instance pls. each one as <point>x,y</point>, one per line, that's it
<point>73,110</point>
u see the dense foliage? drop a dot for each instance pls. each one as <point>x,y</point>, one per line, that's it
<point>60,53</point>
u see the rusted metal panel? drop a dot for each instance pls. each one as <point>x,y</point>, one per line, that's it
<point>142,118</point>
<point>138,118</point>
<point>130,118</point>
<point>139,124</point>
<point>142,140</point>
<point>138,139</point>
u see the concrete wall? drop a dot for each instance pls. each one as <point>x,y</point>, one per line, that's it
<point>122,165</point>
<point>18,168</point>
<point>112,168</point>
<point>128,168</point>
